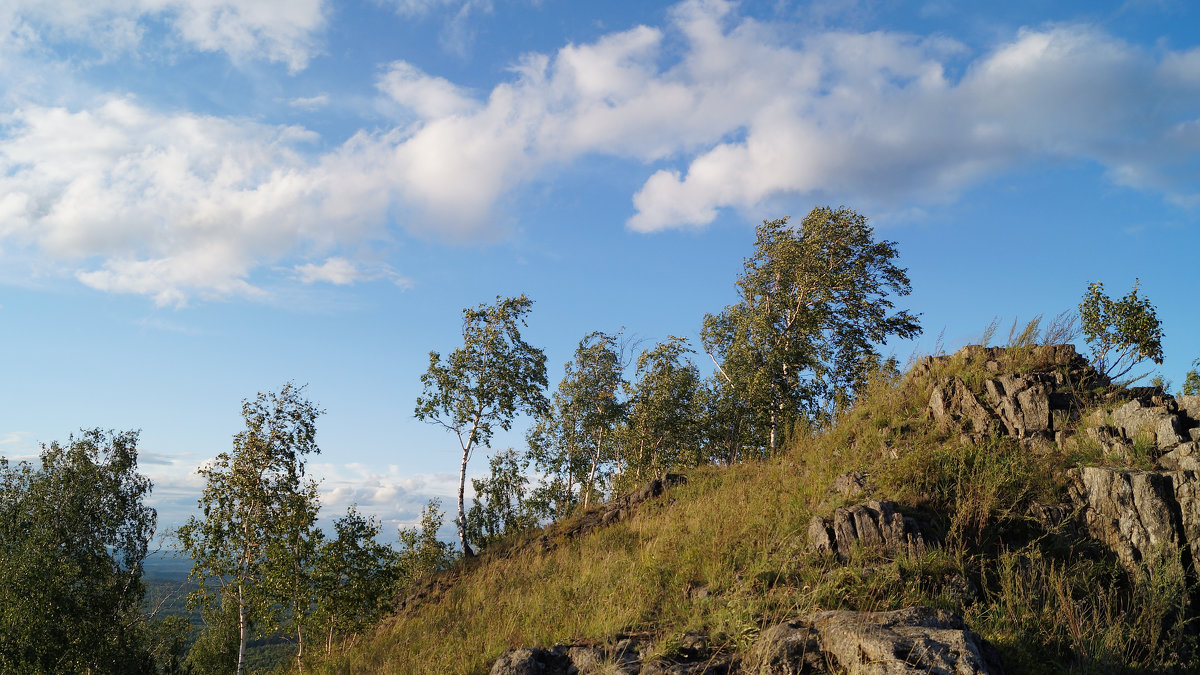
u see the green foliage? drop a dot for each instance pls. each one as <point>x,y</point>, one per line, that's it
<point>421,551</point>
<point>73,534</point>
<point>1191,383</point>
<point>814,303</point>
<point>166,637</point>
<point>1049,614</point>
<point>573,443</point>
<point>354,577</point>
<point>255,545</point>
<point>484,384</point>
<point>661,433</point>
<point>1121,333</point>
<point>216,649</point>
<point>500,507</point>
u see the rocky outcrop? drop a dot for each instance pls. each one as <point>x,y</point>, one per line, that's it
<point>873,525</point>
<point>527,661</point>
<point>619,508</point>
<point>954,404</point>
<point>1034,401</point>
<point>1131,512</point>
<point>1140,514</point>
<point>913,640</point>
<point>1149,422</point>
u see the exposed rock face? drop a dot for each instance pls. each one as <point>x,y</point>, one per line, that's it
<point>1166,427</point>
<point>1033,407</point>
<point>850,484</point>
<point>619,508</point>
<point>1160,425</point>
<point>954,404</point>
<point>1129,511</point>
<point>1136,513</point>
<point>875,525</point>
<point>1023,403</point>
<point>914,640</point>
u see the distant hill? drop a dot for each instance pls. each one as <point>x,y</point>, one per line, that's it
<point>167,566</point>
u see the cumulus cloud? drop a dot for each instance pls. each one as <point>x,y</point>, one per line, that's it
<point>745,115</point>
<point>395,497</point>
<point>727,112</point>
<point>428,97</point>
<point>281,31</point>
<point>171,206</point>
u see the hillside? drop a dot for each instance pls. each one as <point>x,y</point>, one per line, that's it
<point>960,486</point>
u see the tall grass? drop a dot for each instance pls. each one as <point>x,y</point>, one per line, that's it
<point>726,555</point>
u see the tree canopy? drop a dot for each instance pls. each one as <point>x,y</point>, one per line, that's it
<point>1121,333</point>
<point>74,533</point>
<point>814,303</point>
<point>483,384</point>
<point>256,539</point>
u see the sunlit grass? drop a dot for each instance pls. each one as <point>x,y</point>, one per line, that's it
<point>726,555</point>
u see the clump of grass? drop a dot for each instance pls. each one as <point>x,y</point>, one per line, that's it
<point>1049,615</point>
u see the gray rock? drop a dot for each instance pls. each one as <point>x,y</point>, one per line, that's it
<point>1138,419</point>
<point>1132,512</point>
<point>1189,406</point>
<point>789,648</point>
<point>873,525</point>
<point>1023,403</point>
<point>914,640</point>
<point>953,404</point>
<point>525,661</point>
<point>1185,457</point>
<point>850,484</point>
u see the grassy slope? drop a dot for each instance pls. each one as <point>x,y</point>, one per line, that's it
<point>726,555</point>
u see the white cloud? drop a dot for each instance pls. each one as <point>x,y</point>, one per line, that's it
<point>733,114</point>
<point>870,117</point>
<point>280,31</point>
<point>429,97</point>
<point>340,271</point>
<point>172,206</point>
<point>337,271</point>
<point>310,102</point>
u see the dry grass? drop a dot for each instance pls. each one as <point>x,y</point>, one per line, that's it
<point>726,554</point>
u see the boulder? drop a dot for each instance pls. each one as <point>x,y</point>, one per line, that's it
<point>1185,457</point>
<point>850,484</point>
<point>1189,406</point>
<point>872,525</point>
<point>525,661</point>
<point>788,648</point>
<point>914,640</point>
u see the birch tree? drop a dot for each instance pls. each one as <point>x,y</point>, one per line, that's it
<point>661,427</point>
<point>575,440</point>
<point>814,303</point>
<point>484,384</point>
<point>257,508</point>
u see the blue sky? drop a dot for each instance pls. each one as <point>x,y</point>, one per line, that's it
<point>203,199</point>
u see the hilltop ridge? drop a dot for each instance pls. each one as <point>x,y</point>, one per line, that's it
<point>1009,493</point>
